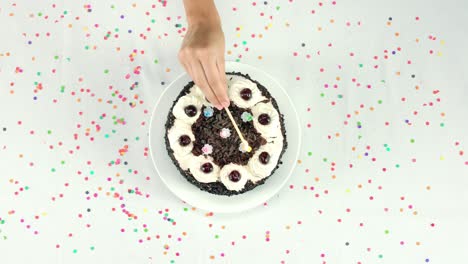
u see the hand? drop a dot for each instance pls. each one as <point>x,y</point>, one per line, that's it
<point>202,55</point>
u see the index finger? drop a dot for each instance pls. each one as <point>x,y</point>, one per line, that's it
<point>216,81</point>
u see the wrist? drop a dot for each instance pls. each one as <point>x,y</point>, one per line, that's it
<point>202,13</point>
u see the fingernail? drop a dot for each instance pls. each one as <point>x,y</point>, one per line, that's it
<point>219,107</point>
<point>226,104</point>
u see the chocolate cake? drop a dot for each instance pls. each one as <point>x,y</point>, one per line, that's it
<point>204,146</point>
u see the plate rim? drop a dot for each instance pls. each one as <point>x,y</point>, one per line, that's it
<point>277,188</point>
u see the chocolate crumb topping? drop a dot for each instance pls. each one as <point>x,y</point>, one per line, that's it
<point>227,146</point>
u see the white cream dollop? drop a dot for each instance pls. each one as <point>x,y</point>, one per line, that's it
<point>260,170</point>
<point>177,130</point>
<point>182,103</point>
<point>184,161</point>
<point>195,169</point>
<point>197,92</point>
<point>237,85</point>
<point>230,185</point>
<point>273,128</point>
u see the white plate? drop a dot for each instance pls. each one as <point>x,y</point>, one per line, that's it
<point>217,203</point>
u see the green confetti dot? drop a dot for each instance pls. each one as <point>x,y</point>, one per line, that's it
<point>398,165</point>
<point>244,42</point>
<point>388,149</point>
<point>153,20</point>
<point>309,153</point>
<point>172,261</point>
<point>65,12</point>
<point>56,57</point>
<point>39,14</point>
<point>322,95</point>
<point>146,230</point>
<point>86,47</point>
<point>135,230</point>
<point>216,236</point>
<point>91,172</point>
<point>75,251</point>
<point>387,232</point>
<point>340,96</point>
<point>237,60</point>
<point>92,248</point>
<point>278,8</point>
<point>106,135</point>
<point>38,73</point>
<point>62,162</point>
<point>385,145</point>
<point>178,25</point>
<point>156,61</point>
<point>442,124</point>
<point>62,88</point>
<point>360,65</point>
<point>116,29</point>
<point>49,132</point>
<point>412,140</point>
<point>325,159</point>
<point>379,101</point>
<point>137,138</point>
<point>380,256</point>
<point>53,170</point>
<point>26,188</point>
<point>2,222</point>
<point>106,71</point>
<point>185,209</point>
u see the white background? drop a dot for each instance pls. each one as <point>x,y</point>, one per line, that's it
<point>301,226</point>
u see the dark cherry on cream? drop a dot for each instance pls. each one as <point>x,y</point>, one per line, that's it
<point>190,110</point>
<point>206,167</point>
<point>264,119</point>
<point>246,94</point>
<point>264,157</point>
<point>184,140</point>
<point>234,176</point>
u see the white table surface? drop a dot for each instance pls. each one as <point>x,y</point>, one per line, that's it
<point>383,170</point>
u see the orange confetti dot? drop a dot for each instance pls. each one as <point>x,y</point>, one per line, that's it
<point>397,34</point>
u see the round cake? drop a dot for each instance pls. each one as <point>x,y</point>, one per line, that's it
<point>204,145</point>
